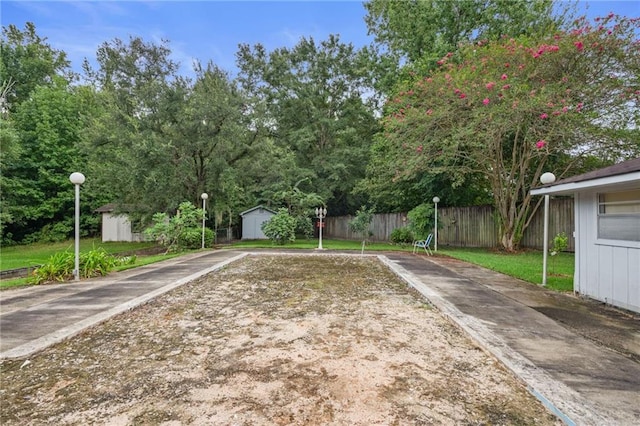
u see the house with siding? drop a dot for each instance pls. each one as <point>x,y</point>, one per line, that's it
<point>607,232</point>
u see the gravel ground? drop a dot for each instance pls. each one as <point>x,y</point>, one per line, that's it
<point>272,340</point>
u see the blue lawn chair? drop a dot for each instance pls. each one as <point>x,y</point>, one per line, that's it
<point>424,244</point>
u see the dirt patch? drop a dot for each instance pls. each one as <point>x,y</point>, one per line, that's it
<point>272,340</point>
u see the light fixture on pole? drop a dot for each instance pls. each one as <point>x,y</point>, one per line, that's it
<point>77,179</point>
<point>204,197</point>
<point>321,213</point>
<point>436,200</point>
<point>546,179</point>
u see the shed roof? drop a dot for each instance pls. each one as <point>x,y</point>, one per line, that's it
<point>257,208</point>
<point>106,208</point>
<point>624,174</point>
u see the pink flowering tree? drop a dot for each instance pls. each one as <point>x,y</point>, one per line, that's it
<point>510,110</point>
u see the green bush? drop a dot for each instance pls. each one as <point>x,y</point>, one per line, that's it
<point>94,263</point>
<point>560,243</point>
<point>402,236</point>
<point>59,267</point>
<point>421,220</point>
<point>182,231</point>
<point>304,227</point>
<point>281,228</point>
<point>191,238</point>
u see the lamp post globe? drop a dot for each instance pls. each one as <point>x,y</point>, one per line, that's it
<point>547,178</point>
<point>77,179</point>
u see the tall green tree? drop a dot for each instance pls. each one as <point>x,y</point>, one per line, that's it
<point>160,138</point>
<point>410,36</point>
<point>512,109</point>
<point>38,194</point>
<point>314,98</point>
<point>35,104</point>
<point>27,61</point>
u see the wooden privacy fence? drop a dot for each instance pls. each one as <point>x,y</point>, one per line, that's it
<point>474,226</point>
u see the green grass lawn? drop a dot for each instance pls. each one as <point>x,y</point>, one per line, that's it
<point>23,256</point>
<point>526,265</point>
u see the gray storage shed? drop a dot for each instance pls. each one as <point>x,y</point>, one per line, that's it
<point>252,221</point>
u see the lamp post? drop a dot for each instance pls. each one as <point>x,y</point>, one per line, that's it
<point>77,179</point>
<point>321,212</point>
<point>204,197</point>
<point>436,200</point>
<point>545,179</point>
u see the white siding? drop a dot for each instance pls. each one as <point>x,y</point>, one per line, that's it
<point>608,271</point>
<point>116,228</point>
<point>252,224</point>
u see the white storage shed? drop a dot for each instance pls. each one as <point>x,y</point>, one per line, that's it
<point>117,226</point>
<point>607,218</point>
<point>252,221</point>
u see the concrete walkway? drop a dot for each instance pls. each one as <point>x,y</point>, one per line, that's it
<point>549,340</point>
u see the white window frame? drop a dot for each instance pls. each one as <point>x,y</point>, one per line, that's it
<point>623,206</point>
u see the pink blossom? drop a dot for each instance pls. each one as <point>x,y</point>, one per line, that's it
<point>504,77</point>
<point>462,96</point>
<point>544,116</point>
<point>486,101</point>
<point>579,106</point>
<point>429,111</point>
<point>506,87</point>
<point>579,45</point>
<point>419,149</point>
<point>565,109</point>
<point>490,85</point>
<point>540,144</point>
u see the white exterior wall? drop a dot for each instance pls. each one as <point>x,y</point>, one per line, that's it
<point>606,270</point>
<point>252,224</point>
<point>116,228</point>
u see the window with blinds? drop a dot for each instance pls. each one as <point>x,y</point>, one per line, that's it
<point>619,215</point>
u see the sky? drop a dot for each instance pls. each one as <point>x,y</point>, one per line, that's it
<point>208,30</point>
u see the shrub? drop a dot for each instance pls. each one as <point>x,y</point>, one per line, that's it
<point>361,224</point>
<point>421,220</point>
<point>60,266</point>
<point>560,243</point>
<point>96,262</point>
<point>281,228</point>
<point>191,238</point>
<point>402,236</point>
<point>304,227</point>
<point>183,231</point>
